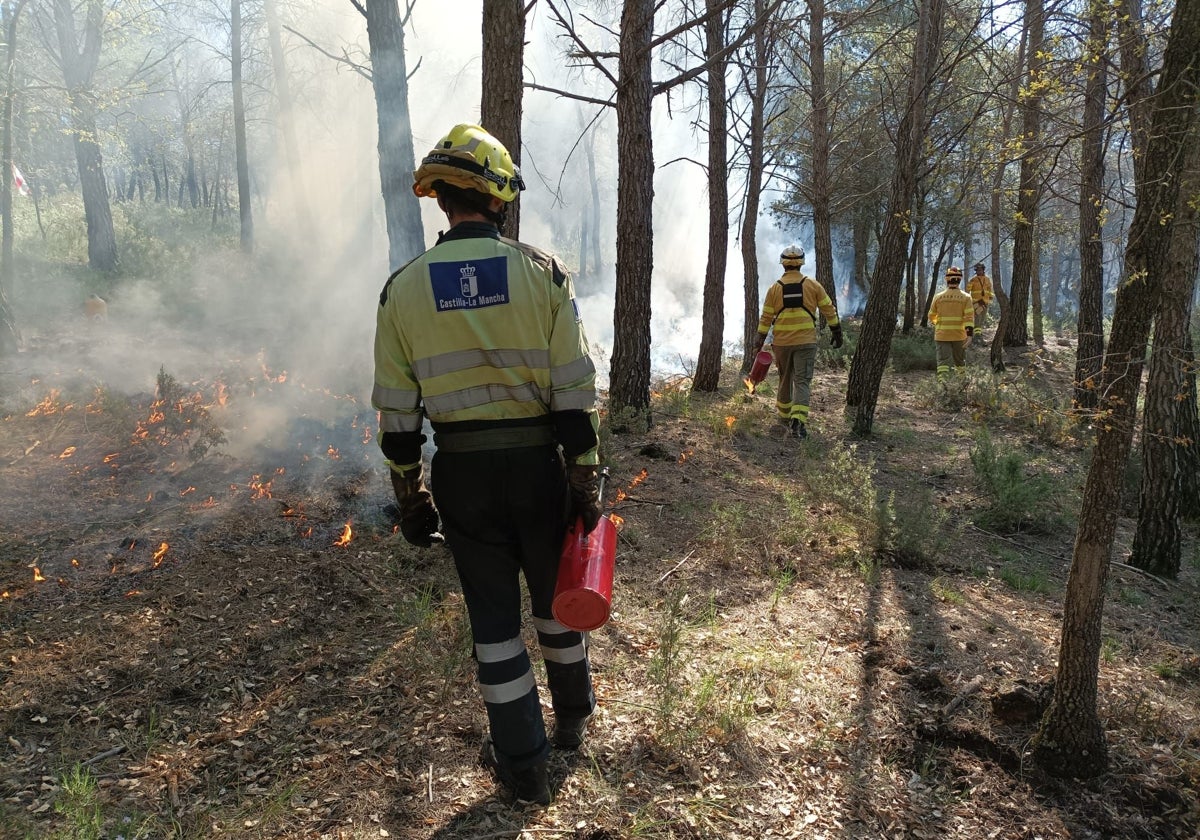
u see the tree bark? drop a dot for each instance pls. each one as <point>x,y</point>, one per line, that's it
<point>1089,351</point>
<point>500,107</point>
<point>9,334</point>
<point>1165,446</point>
<point>79,62</point>
<point>389,79</point>
<point>1071,739</point>
<point>708,361</point>
<point>245,212</point>
<point>822,183</point>
<point>754,179</point>
<point>629,379</point>
<point>1029,186</point>
<point>879,322</point>
<point>1035,290</point>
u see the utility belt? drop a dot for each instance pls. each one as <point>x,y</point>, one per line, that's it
<point>498,437</point>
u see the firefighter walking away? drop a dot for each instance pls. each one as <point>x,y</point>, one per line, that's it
<point>482,335</point>
<point>953,317</point>
<point>790,310</point>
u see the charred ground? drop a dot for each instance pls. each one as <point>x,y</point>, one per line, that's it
<point>830,638</point>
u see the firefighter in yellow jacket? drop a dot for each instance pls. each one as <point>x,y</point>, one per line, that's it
<point>953,317</point>
<point>791,309</point>
<point>482,336</point>
<point>979,287</point>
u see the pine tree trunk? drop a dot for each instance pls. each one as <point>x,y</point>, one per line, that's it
<point>1029,183</point>
<point>1035,292</point>
<point>245,213</point>
<point>9,335</point>
<point>822,183</point>
<point>1157,541</point>
<point>754,176</point>
<point>500,108</point>
<point>708,362</point>
<point>629,379</point>
<point>389,79</point>
<point>1089,352</point>
<point>879,322</point>
<point>1071,739</point>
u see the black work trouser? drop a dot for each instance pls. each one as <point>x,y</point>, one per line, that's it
<point>504,514</point>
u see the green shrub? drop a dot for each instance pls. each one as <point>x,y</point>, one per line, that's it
<point>912,529</point>
<point>1018,501</point>
<point>914,351</point>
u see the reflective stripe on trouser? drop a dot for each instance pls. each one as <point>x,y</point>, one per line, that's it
<point>796,365</point>
<point>568,672</point>
<point>950,353</point>
<point>504,514</point>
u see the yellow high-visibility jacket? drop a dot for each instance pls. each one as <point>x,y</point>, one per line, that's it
<point>477,333</point>
<point>951,313</point>
<point>791,306</point>
<point>980,289</point>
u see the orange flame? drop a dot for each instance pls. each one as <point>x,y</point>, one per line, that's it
<point>344,539</point>
<point>5,594</point>
<point>638,479</point>
<point>750,386</point>
<point>133,592</point>
<point>75,562</point>
<point>160,554</point>
<point>683,456</point>
<point>149,497</point>
<point>280,470</point>
<point>259,489</point>
<point>367,437</point>
<point>617,521</point>
<point>333,453</point>
<point>307,532</point>
<point>729,421</point>
<point>48,405</point>
<point>67,453</point>
<point>222,394</point>
<point>183,493</point>
<point>37,575</point>
<point>621,496</point>
<point>108,459</point>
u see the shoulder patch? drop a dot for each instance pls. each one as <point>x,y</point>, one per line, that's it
<point>558,271</point>
<point>383,295</point>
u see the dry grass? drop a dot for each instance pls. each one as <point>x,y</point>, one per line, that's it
<point>765,673</point>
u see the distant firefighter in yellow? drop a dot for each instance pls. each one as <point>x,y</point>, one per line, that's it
<point>953,318</point>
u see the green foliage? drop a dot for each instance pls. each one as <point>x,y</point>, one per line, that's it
<point>667,664</point>
<point>79,804</point>
<point>672,397</point>
<point>913,530</point>
<point>914,351</point>
<point>1019,501</point>
<point>840,357</point>
<point>179,417</point>
<point>1025,581</point>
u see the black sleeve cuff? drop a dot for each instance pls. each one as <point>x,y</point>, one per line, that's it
<point>402,447</point>
<point>574,433</point>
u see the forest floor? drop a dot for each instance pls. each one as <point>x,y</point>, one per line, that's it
<point>823,639</point>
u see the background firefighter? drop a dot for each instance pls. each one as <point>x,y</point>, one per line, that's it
<point>979,287</point>
<point>790,307</point>
<point>953,317</point>
<point>482,335</point>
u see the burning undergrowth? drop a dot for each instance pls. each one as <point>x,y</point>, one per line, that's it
<point>110,484</point>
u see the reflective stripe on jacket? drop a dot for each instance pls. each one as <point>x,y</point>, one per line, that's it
<point>951,313</point>
<point>480,329</point>
<point>794,325</point>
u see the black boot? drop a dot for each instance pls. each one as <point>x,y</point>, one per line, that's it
<point>569,732</point>
<point>530,785</point>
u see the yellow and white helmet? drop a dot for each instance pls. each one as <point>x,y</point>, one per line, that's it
<point>953,275</point>
<point>792,257</point>
<point>471,158</point>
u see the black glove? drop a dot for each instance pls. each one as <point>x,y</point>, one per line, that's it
<point>835,338</point>
<point>418,516</point>
<point>758,345</point>
<point>970,332</point>
<point>585,494</point>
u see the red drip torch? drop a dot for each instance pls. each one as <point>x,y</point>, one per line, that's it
<point>758,372</point>
<point>583,595</point>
